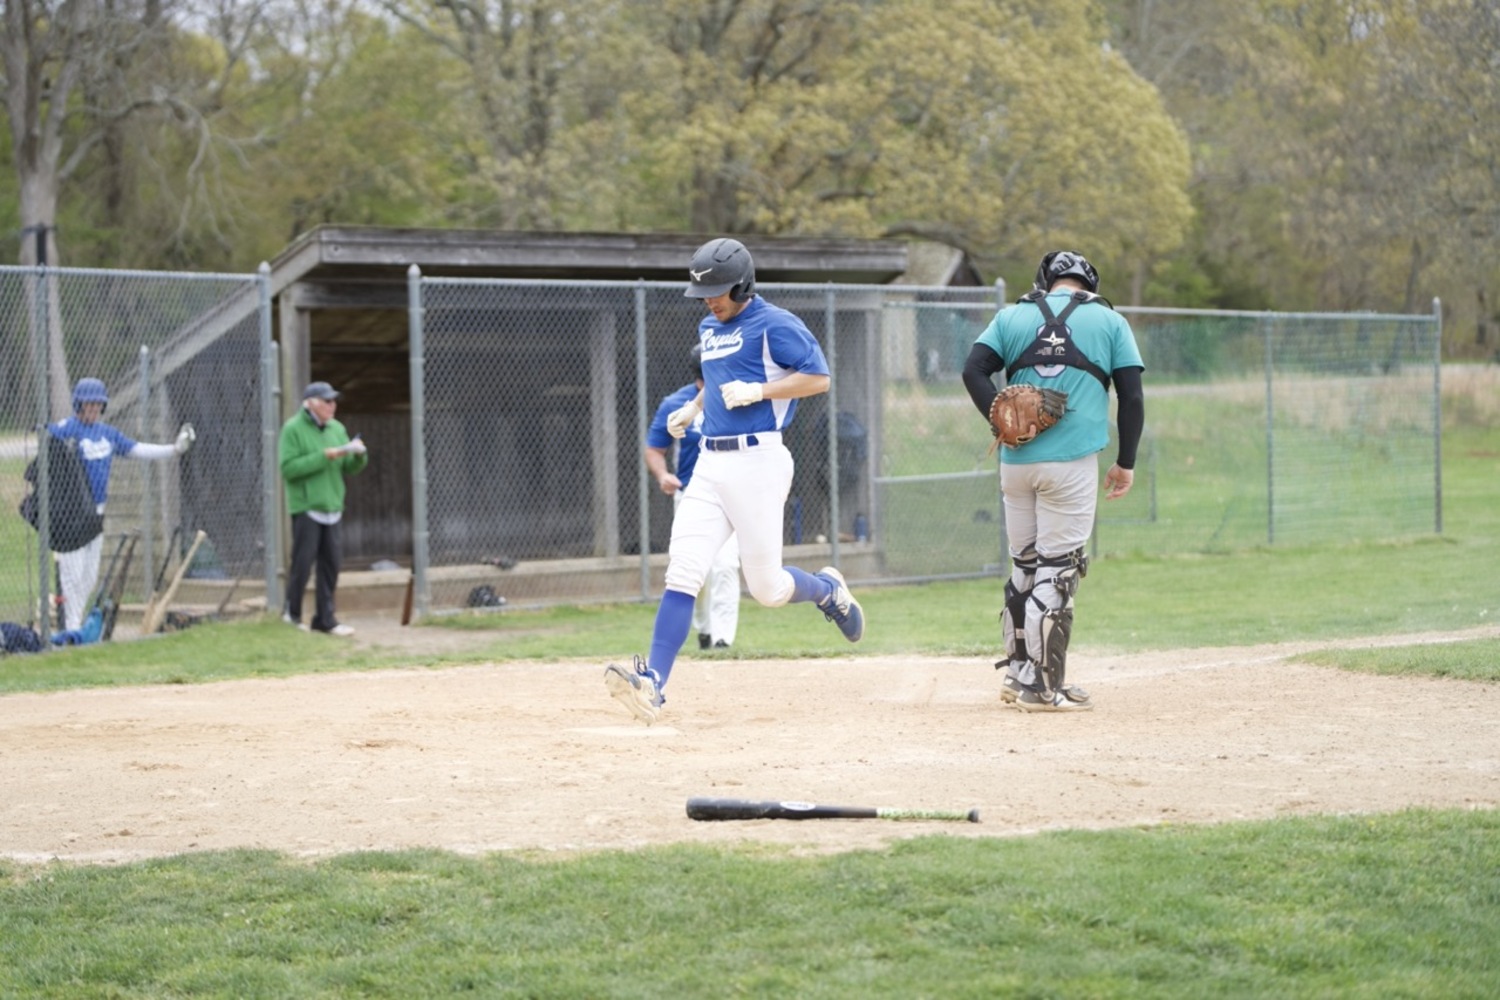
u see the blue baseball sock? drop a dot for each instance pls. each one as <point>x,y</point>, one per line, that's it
<point>674,619</point>
<point>807,586</point>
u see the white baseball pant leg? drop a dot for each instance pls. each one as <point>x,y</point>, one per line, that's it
<point>721,598</point>
<point>716,612</point>
<point>79,572</point>
<point>742,493</point>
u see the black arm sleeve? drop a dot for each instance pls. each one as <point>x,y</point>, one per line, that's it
<point>1131,415</point>
<point>980,365</point>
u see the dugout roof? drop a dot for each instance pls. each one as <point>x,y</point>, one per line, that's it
<point>341,291</point>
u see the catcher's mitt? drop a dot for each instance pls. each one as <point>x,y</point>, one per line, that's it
<point>1021,412</point>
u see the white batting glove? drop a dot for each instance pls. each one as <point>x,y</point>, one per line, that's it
<point>185,438</point>
<point>742,393</point>
<point>679,420</point>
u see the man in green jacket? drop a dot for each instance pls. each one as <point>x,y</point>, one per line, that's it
<point>316,453</point>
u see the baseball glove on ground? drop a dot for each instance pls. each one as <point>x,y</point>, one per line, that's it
<point>1021,412</point>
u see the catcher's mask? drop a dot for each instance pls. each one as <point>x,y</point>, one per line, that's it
<point>1061,264</point>
<point>90,390</point>
<point>720,266</point>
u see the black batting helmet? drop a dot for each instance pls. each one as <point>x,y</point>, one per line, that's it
<point>720,266</point>
<point>695,360</point>
<point>1066,264</point>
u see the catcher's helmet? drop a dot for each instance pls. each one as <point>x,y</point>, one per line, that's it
<point>89,390</point>
<point>1066,264</point>
<point>720,266</point>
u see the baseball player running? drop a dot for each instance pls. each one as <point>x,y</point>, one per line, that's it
<point>716,615</point>
<point>758,360</point>
<point>1063,336</point>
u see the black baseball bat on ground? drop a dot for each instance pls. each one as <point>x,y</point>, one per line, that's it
<point>718,809</point>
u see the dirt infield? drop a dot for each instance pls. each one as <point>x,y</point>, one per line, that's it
<point>536,757</point>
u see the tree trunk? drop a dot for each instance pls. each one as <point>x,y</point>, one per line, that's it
<point>38,209</point>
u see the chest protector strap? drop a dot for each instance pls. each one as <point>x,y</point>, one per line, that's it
<point>1054,341</point>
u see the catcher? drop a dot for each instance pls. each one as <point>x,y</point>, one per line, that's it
<point>1060,346</point>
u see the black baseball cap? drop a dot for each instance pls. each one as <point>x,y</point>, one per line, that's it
<point>319,390</point>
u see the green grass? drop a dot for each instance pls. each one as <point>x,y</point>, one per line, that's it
<point>1403,905</point>
<point>1128,604</point>
<point>1341,464</point>
<point>1395,905</point>
<point>1474,660</point>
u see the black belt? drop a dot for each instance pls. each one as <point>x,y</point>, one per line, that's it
<point>731,444</point>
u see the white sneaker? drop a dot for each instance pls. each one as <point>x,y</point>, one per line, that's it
<point>341,630</point>
<point>637,689</point>
<point>1069,699</point>
<point>840,607</point>
<point>292,621</point>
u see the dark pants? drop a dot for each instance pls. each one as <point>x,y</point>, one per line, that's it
<point>313,544</point>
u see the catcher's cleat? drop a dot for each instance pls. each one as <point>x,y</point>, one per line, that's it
<point>1069,699</point>
<point>638,689</point>
<point>840,607</point>
<point>1010,688</point>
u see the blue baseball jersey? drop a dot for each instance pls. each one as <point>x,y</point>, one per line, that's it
<point>657,435</point>
<point>98,444</point>
<point>764,343</point>
<point>1105,338</point>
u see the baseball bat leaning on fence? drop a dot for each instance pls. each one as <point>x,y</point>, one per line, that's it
<point>166,560</point>
<point>260,547</point>
<point>719,809</point>
<point>228,596</point>
<point>156,612</point>
<point>111,596</point>
<point>411,584</point>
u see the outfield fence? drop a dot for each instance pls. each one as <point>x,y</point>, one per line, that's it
<point>171,349</point>
<point>510,466</point>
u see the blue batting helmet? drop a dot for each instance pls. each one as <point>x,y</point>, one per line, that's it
<point>89,390</point>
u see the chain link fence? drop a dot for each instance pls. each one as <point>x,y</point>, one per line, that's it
<point>1261,428</point>
<point>170,349</point>
<point>513,473</point>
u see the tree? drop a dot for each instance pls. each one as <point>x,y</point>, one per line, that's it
<point>901,118</point>
<point>44,53</point>
<point>78,74</point>
<point>521,57</point>
<point>1341,147</point>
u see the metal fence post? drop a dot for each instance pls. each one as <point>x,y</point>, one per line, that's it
<point>829,324</point>
<point>421,591</point>
<point>1437,413</point>
<point>42,353</point>
<point>148,551</point>
<point>270,426</point>
<point>642,424</point>
<point>1270,435</point>
<point>999,489</point>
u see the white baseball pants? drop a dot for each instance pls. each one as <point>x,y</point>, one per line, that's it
<point>717,610</point>
<point>739,493</point>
